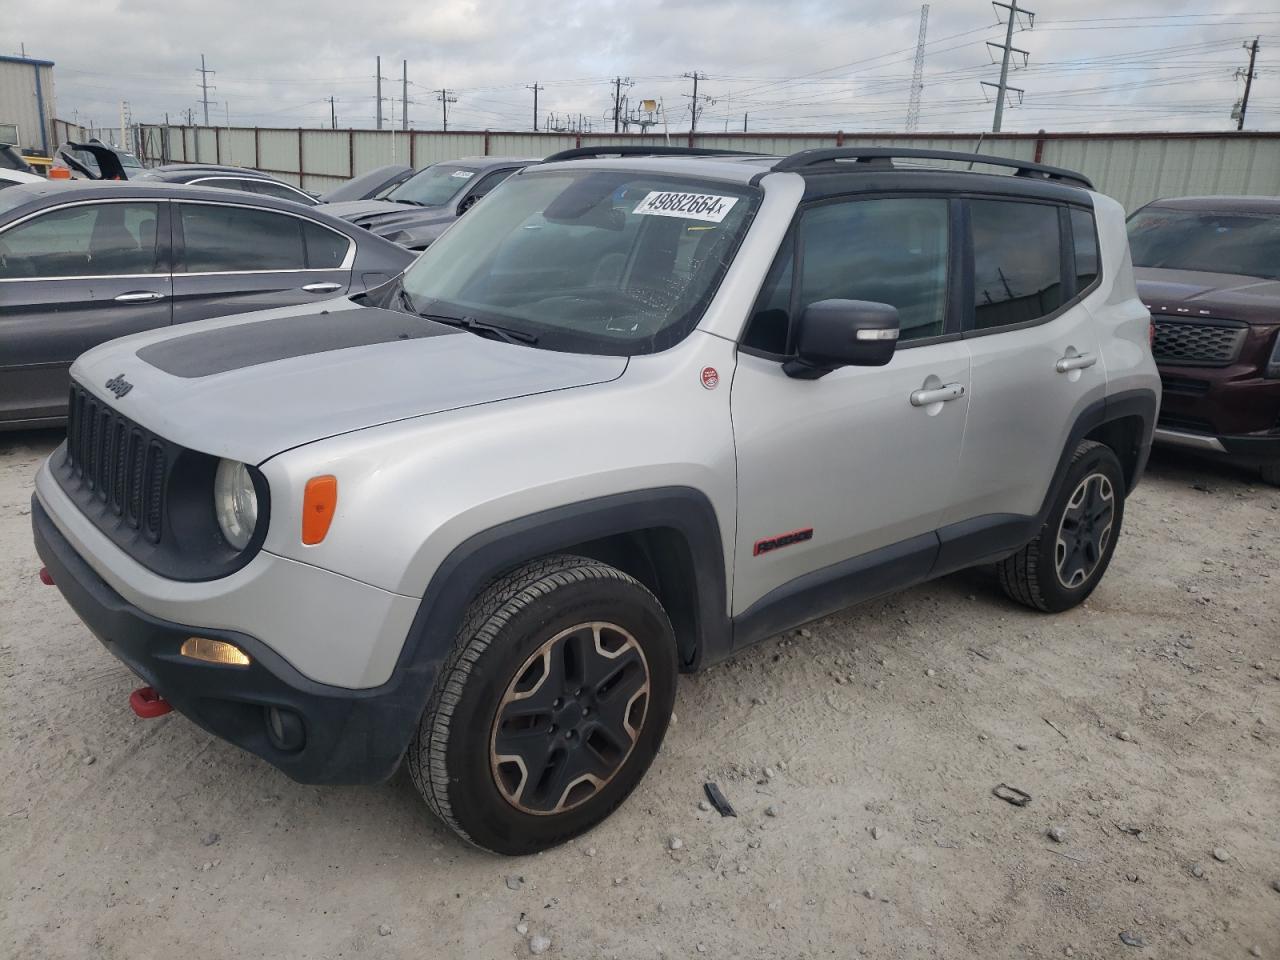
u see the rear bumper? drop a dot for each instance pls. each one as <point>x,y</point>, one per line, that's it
<point>350,736</point>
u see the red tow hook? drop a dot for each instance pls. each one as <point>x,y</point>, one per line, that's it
<point>46,577</point>
<point>146,702</point>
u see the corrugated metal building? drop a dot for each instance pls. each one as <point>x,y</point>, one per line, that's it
<point>26,102</point>
<point>1135,168</point>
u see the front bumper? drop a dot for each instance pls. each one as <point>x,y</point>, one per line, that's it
<point>1254,448</point>
<point>350,736</point>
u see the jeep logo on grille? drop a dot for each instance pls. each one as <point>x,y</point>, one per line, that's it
<point>119,385</point>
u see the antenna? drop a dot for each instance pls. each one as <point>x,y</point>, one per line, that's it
<point>917,75</point>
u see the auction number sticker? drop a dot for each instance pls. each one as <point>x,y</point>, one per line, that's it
<point>689,206</point>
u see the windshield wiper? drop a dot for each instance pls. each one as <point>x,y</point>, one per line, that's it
<point>483,328</point>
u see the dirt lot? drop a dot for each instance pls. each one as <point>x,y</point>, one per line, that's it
<point>877,738</point>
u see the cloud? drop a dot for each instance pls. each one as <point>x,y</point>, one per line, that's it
<point>797,66</point>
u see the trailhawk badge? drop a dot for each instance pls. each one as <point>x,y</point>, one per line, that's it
<point>119,385</point>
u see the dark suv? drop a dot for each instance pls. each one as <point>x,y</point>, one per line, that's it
<point>1209,270</point>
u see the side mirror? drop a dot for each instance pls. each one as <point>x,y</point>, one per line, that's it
<point>843,333</point>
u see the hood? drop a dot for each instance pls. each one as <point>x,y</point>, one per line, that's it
<point>251,386</point>
<point>1226,296</point>
<point>365,212</point>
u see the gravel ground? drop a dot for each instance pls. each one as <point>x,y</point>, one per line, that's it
<point>1145,725</point>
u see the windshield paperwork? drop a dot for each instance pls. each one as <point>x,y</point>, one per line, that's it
<point>591,261</point>
<point>435,186</point>
<point>1239,243</point>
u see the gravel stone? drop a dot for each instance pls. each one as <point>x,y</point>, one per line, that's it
<point>384,930</point>
<point>539,944</point>
<point>704,805</point>
<point>1058,834</point>
<point>875,833</point>
<point>514,882</point>
<point>771,810</point>
<point>1275,885</point>
<point>209,839</point>
<point>1197,871</point>
<point>1255,950</point>
<point>522,928</point>
<point>1125,735</point>
<point>590,851</point>
<point>675,843</point>
<point>1221,855</point>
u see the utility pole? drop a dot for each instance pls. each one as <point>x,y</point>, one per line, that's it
<point>378,67</point>
<point>694,109</point>
<point>445,100</point>
<point>404,95</point>
<point>617,99</point>
<point>535,88</point>
<point>204,88</point>
<point>917,74</point>
<point>333,114</point>
<point>744,123</point>
<point>1248,82</point>
<point>1008,49</point>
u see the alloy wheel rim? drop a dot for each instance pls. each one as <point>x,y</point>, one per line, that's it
<point>569,718</point>
<point>1085,530</point>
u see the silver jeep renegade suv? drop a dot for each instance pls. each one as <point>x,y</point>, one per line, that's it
<point>630,415</point>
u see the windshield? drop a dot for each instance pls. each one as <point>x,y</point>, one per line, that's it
<point>1240,243</point>
<point>592,261</point>
<point>434,186</point>
<point>128,160</point>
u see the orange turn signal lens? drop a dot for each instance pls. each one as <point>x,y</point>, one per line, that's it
<point>214,651</point>
<point>318,505</point>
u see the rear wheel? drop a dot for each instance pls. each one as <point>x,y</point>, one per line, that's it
<point>551,707</point>
<point>1066,560</point>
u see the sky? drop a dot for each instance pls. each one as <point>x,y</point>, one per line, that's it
<point>821,66</point>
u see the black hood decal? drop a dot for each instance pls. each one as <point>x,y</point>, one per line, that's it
<point>209,352</point>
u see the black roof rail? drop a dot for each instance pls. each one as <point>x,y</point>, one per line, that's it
<point>883,155</point>
<point>636,150</point>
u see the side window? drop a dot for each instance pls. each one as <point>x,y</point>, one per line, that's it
<point>326,249</point>
<point>1017,262</point>
<point>1084,237</point>
<point>220,238</point>
<point>890,251</point>
<point>97,239</point>
<point>771,316</point>
<point>280,191</point>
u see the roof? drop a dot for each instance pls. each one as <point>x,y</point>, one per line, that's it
<point>1224,204</point>
<point>74,190</point>
<point>32,61</point>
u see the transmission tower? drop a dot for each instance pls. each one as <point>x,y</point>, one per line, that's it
<point>917,75</point>
<point>1007,49</point>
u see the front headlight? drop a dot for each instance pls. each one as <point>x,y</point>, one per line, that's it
<point>235,503</point>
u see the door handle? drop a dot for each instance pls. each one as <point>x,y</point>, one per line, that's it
<point>1081,362</point>
<point>324,286</point>
<point>943,394</point>
<point>139,296</point>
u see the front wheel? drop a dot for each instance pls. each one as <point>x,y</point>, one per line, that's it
<point>1066,560</point>
<point>551,707</point>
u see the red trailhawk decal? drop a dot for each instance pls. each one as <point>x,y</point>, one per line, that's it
<point>769,544</point>
<point>710,378</point>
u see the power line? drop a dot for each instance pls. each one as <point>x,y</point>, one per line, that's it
<point>535,88</point>
<point>1249,74</point>
<point>1007,49</point>
<point>204,89</point>
<point>445,100</point>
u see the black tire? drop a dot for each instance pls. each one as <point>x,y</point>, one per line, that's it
<point>530,633</point>
<point>1271,472</point>
<point>1042,576</point>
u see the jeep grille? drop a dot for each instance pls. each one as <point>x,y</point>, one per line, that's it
<point>112,460</point>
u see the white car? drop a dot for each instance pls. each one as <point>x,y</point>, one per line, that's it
<point>627,416</point>
<point>10,177</point>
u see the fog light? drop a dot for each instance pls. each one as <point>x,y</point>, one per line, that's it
<point>214,651</point>
<point>284,729</point>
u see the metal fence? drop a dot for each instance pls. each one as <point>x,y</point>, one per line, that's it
<point>1132,167</point>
